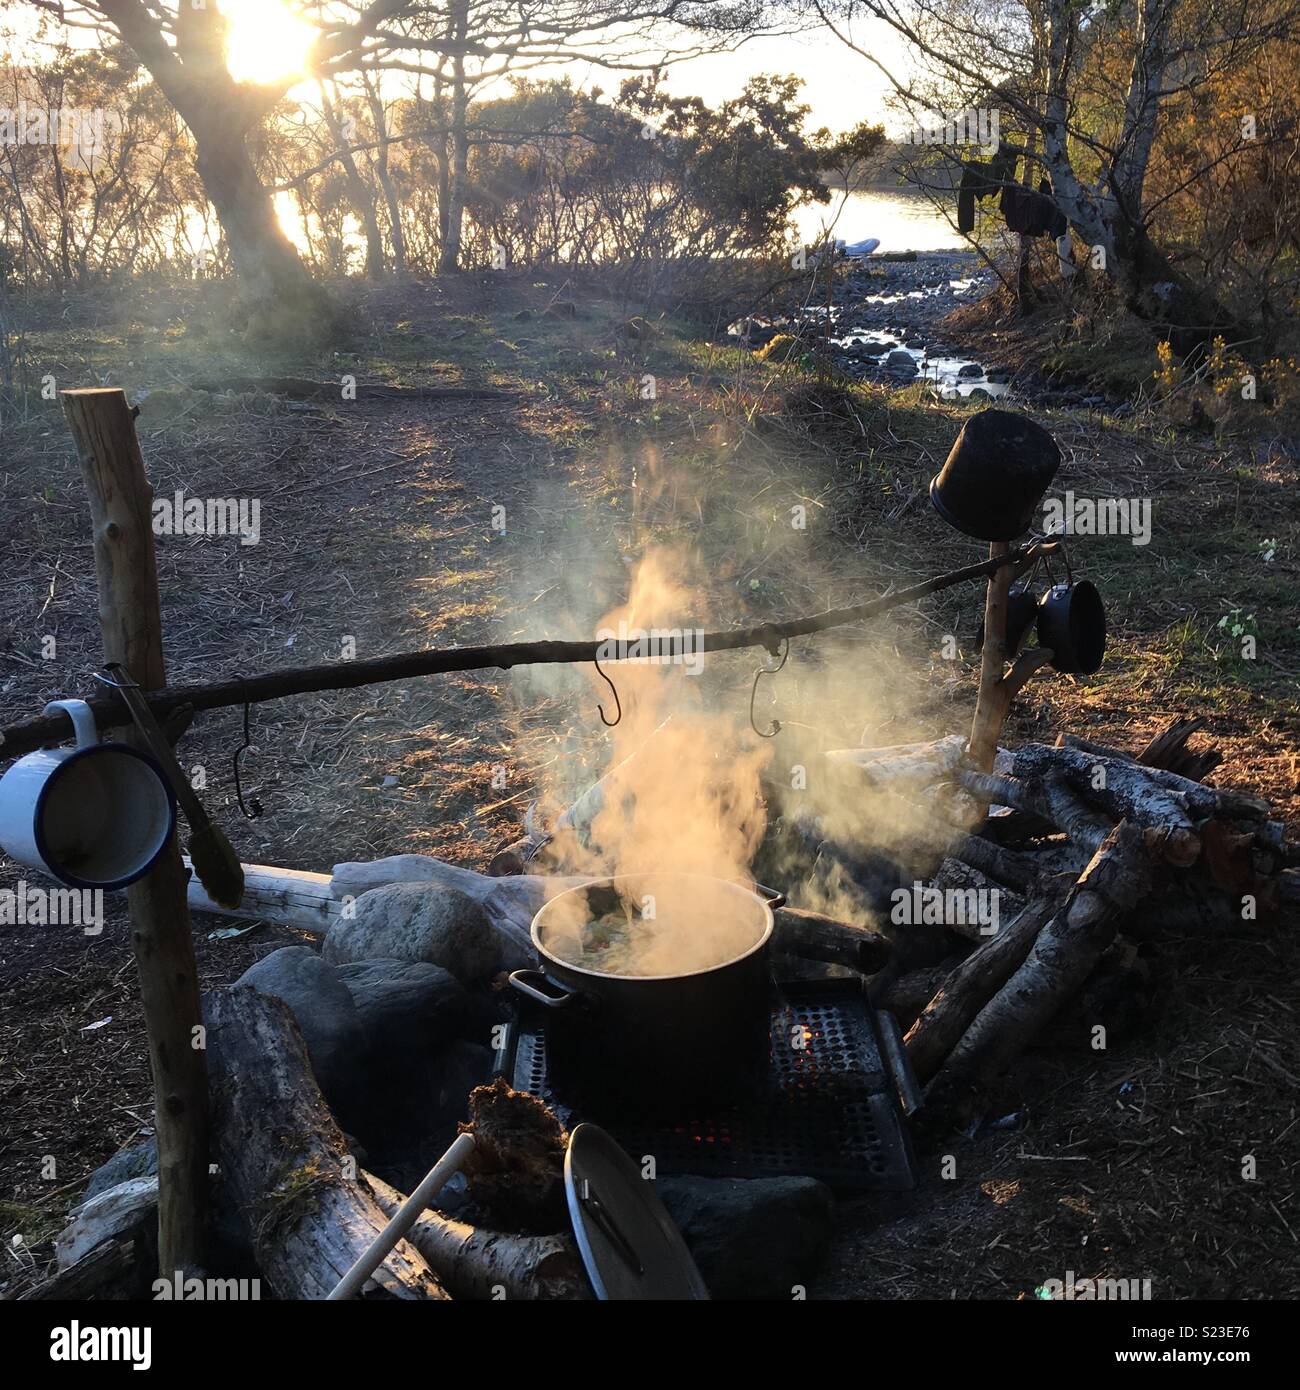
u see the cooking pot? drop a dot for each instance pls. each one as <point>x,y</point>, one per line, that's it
<point>1072,622</point>
<point>995,475</point>
<point>648,1041</point>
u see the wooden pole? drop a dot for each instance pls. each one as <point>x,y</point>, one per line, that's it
<point>996,690</point>
<point>110,711</point>
<point>130,620</point>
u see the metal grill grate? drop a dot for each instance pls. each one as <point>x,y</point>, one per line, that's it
<point>826,1109</point>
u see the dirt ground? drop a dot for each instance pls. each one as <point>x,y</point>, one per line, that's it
<point>379,534</point>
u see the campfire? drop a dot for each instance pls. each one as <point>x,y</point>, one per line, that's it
<point>619,1000</point>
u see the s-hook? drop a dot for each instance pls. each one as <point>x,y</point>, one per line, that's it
<point>254,808</point>
<point>618,705</point>
<point>784,648</point>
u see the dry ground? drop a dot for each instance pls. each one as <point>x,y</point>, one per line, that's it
<point>377,524</point>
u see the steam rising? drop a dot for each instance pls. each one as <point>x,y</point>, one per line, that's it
<point>688,798</point>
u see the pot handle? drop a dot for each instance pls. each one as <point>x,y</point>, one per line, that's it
<point>773,897</point>
<point>535,983</point>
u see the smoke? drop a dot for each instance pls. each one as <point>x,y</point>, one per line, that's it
<point>689,788</point>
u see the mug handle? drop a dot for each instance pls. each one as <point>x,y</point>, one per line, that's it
<point>83,721</point>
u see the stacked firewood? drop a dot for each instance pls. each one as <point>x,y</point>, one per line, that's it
<point>1079,843</point>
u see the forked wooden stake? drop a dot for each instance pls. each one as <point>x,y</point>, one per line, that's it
<point>997,690</point>
<point>130,620</point>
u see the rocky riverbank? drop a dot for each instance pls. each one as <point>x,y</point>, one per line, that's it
<point>887,324</point>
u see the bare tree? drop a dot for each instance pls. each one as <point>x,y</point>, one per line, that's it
<point>1087,85</point>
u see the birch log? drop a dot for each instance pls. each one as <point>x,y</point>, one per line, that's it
<point>476,1263</point>
<point>1062,957</point>
<point>285,1160</point>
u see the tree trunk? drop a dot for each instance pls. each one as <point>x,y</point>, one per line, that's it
<point>272,272</point>
<point>450,257</point>
<point>396,236</point>
<point>358,193</point>
<point>192,75</point>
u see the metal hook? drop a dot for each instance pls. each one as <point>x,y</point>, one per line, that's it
<point>600,709</point>
<point>254,808</point>
<point>784,648</point>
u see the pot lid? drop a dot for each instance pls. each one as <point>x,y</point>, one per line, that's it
<point>629,1245</point>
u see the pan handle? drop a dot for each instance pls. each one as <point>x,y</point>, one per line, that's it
<point>537,985</point>
<point>773,897</point>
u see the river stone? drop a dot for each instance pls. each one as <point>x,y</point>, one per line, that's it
<point>901,363</point>
<point>971,371</point>
<point>326,1016</point>
<point>405,1006</point>
<point>752,1237</point>
<point>417,921</point>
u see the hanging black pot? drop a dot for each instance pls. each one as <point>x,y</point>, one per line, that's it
<point>1072,623</point>
<point>999,467</point>
<point>1022,610</point>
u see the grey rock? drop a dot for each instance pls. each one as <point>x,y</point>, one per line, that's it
<point>752,1237</point>
<point>326,1016</point>
<point>900,361</point>
<point>417,921</point>
<point>971,371</point>
<point>405,1006</point>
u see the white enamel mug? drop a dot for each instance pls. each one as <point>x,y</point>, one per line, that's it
<point>94,816</point>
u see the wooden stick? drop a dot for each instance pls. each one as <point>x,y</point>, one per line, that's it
<point>130,620</point>
<point>989,708</point>
<point>401,1220</point>
<point>109,711</point>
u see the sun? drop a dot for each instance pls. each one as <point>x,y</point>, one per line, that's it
<point>265,41</point>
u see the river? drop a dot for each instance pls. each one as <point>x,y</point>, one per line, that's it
<point>903,221</point>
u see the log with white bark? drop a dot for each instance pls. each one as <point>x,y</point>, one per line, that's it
<point>285,1161</point>
<point>1049,798</point>
<point>1062,956</point>
<point>903,767</point>
<point>482,1264</point>
<point>956,876</point>
<point>970,986</point>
